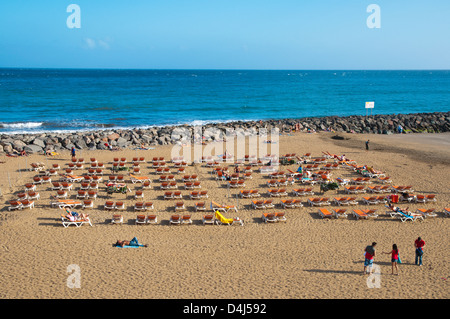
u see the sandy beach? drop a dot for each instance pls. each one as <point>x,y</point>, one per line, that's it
<point>304,257</point>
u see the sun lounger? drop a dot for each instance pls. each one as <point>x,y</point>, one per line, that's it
<point>351,190</point>
<point>188,185</point>
<point>385,180</point>
<point>61,194</point>
<point>273,193</point>
<point>179,206</point>
<point>72,178</point>
<point>81,194</point>
<point>370,200</point>
<point>221,220</point>
<point>149,206</point>
<point>398,189</point>
<point>314,201</point>
<point>427,212</point>
<point>117,219</point>
<point>325,213</point>
<point>141,219</point>
<point>446,211</point>
<point>139,206</point>
<point>208,219</point>
<point>318,201</point>
<point>375,173</point>
<point>245,194</point>
<point>56,186</point>
<point>164,185</point>
<point>222,208</point>
<point>269,218</point>
<point>339,213</point>
<point>37,167</point>
<point>194,195</point>
<point>15,205</point>
<point>291,203</point>
<point>371,213</point>
<point>200,206</point>
<point>119,206</point>
<point>254,193</point>
<point>139,179</point>
<point>272,183</point>
<point>138,194</point>
<point>280,216</point>
<point>345,201</point>
<point>293,174</point>
<point>342,181</point>
<point>168,195</point>
<point>175,220</point>
<point>405,216</point>
<point>374,189</point>
<point>340,201</point>
<point>302,191</point>
<point>30,187</point>
<point>268,203</point>
<point>258,204</point>
<point>360,189</point>
<point>146,185</point>
<point>152,219</point>
<point>66,222</point>
<point>88,204</point>
<point>267,169</point>
<point>62,203</point>
<point>109,205</point>
<point>186,219</point>
<point>359,214</point>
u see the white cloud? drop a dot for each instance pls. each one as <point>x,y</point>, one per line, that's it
<point>103,44</point>
<point>92,43</point>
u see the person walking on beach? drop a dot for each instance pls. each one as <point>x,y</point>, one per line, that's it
<point>369,255</point>
<point>418,244</point>
<point>395,258</point>
<point>367,145</point>
<point>73,151</point>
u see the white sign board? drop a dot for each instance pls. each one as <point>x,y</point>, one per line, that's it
<point>370,105</point>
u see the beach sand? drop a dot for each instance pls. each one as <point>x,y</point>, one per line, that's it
<point>305,257</point>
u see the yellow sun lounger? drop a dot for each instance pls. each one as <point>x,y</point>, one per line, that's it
<point>221,220</point>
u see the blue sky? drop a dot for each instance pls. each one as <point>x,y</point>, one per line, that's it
<point>226,34</point>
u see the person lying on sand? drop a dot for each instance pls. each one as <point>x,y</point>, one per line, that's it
<point>16,153</point>
<point>112,148</point>
<point>51,153</point>
<point>132,242</point>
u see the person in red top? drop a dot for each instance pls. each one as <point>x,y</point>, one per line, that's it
<point>369,254</point>
<point>419,243</point>
<point>394,258</point>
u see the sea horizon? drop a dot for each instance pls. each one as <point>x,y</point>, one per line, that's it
<point>39,100</point>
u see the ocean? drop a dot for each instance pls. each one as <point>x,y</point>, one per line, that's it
<point>42,100</point>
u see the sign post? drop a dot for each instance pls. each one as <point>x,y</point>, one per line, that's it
<point>370,105</point>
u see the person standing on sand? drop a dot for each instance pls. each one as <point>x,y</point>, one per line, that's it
<point>418,244</point>
<point>395,258</point>
<point>369,255</point>
<point>73,151</point>
<point>367,145</point>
